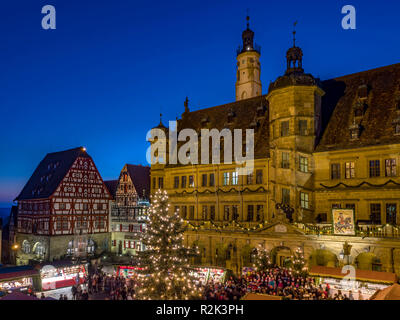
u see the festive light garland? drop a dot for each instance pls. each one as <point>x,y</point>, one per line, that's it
<point>165,262</point>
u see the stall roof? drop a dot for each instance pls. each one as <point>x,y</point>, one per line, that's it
<point>389,293</point>
<point>16,295</point>
<point>17,272</point>
<point>361,275</point>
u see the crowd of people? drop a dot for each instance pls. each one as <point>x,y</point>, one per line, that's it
<point>275,282</point>
<point>108,287</point>
<point>280,282</point>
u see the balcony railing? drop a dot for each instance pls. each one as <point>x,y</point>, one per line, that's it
<point>361,230</point>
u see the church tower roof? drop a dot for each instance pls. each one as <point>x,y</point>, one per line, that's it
<point>248,40</point>
<point>294,74</point>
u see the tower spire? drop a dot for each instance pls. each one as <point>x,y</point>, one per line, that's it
<point>186,104</point>
<point>294,34</point>
<point>248,83</point>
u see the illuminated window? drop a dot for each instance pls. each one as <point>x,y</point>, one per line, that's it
<point>235,178</point>
<point>191,181</point>
<point>349,170</point>
<point>26,247</point>
<point>390,167</point>
<point>285,160</point>
<point>303,164</point>
<point>226,178</point>
<point>250,178</point>
<point>304,202</point>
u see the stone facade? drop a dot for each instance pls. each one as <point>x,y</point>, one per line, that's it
<point>57,247</point>
<point>318,146</point>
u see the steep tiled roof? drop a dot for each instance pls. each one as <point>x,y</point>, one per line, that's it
<point>140,176</point>
<point>111,186</point>
<point>381,91</point>
<point>49,173</point>
<point>241,114</point>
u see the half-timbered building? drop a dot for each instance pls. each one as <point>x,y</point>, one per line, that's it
<point>64,201</point>
<point>129,209</point>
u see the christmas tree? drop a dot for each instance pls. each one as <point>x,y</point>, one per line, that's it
<point>262,260</point>
<point>298,262</point>
<point>166,273</point>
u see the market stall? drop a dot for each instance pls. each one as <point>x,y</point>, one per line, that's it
<point>205,274</point>
<point>54,277</point>
<point>127,271</point>
<point>19,278</point>
<point>389,293</point>
<point>365,281</point>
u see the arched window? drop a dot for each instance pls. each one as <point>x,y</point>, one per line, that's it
<point>90,246</point>
<point>26,247</point>
<point>38,249</point>
<point>70,248</point>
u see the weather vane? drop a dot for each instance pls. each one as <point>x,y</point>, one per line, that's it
<point>294,33</point>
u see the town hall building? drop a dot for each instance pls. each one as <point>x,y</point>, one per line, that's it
<point>319,147</point>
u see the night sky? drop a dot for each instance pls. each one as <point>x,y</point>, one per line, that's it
<point>103,76</point>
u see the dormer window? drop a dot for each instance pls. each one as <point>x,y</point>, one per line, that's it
<point>397,129</point>
<point>355,130</point>
<point>359,108</point>
<point>363,91</point>
<point>254,124</point>
<point>261,111</point>
<point>358,113</point>
<point>204,121</point>
<point>231,116</point>
<point>396,126</point>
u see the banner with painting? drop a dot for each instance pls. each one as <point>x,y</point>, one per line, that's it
<point>343,221</point>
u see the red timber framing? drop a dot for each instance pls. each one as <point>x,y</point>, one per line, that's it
<point>79,203</point>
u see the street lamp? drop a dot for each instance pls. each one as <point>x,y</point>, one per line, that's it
<point>15,248</point>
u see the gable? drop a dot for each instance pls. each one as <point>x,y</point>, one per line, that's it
<point>49,174</point>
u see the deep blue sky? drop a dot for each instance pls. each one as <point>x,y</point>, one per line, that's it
<point>102,77</point>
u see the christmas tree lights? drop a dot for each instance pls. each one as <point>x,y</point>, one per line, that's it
<point>298,262</point>
<point>261,259</point>
<point>166,273</point>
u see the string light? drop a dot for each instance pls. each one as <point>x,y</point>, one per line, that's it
<point>167,274</point>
